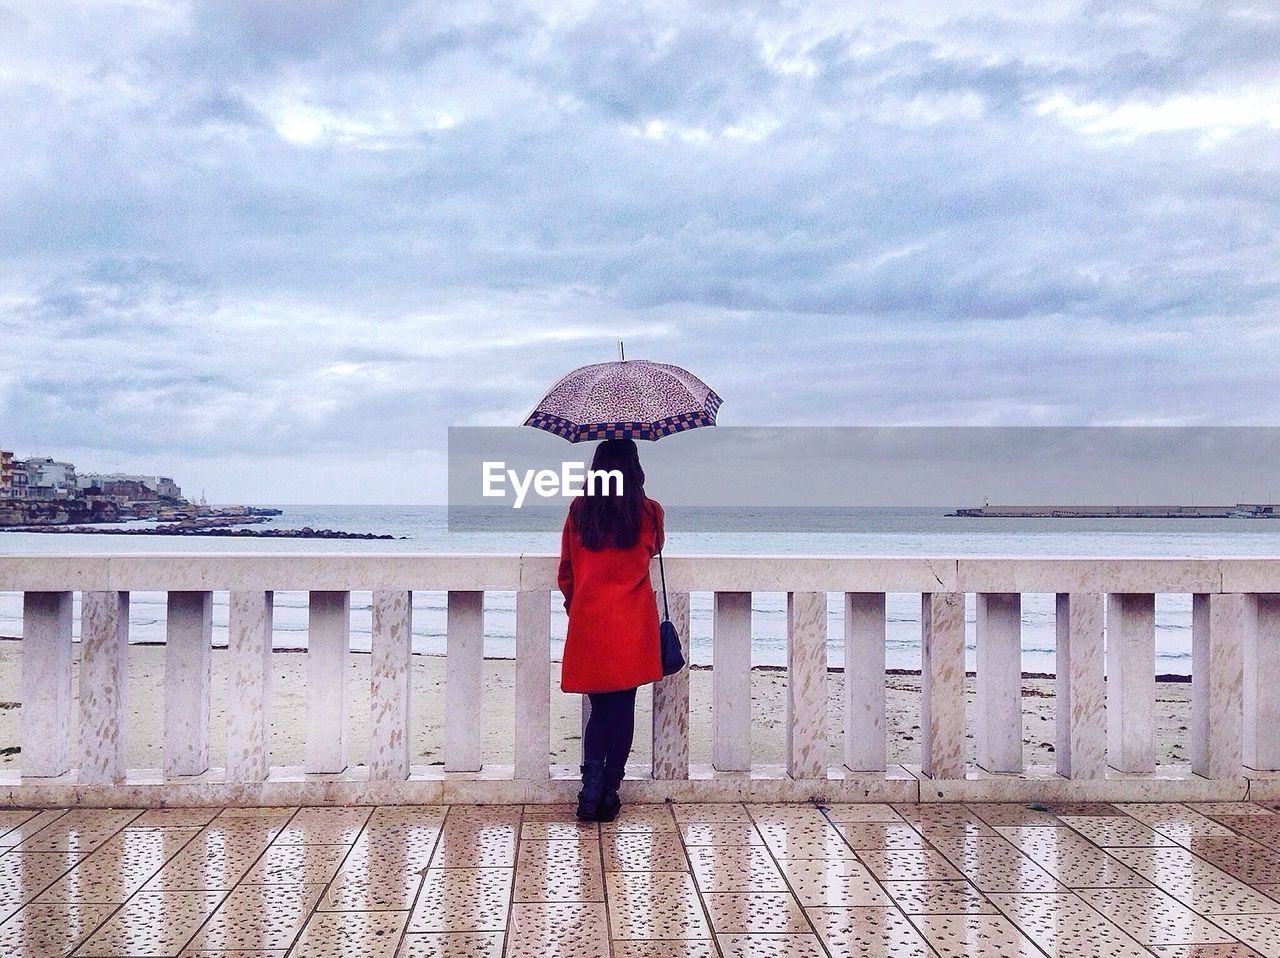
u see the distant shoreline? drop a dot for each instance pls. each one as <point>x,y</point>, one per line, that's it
<point>1241,510</point>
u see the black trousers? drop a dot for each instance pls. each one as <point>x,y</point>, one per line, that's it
<point>610,728</point>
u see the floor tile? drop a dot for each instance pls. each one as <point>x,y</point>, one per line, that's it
<point>1063,925</point>
<point>860,835</point>
<point>838,883</point>
<point>542,830</point>
<point>463,899</point>
<point>868,933</point>
<point>943,819</point>
<point>654,905</point>
<point>152,923</point>
<point>642,818</point>
<point>1263,829</point>
<point>1240,857</point>
<point>275,814</point>
<point>485,814</point>
<point>217,857</point>
<point>720,833</point>
<point>855,812</point>
<point>643,851</point>
<point>754,913</point>
<point>909,864</point>
<point>120,866</point>
<point>1178,822</point>
<point>994,865</point>
<point>804,840</point>
<point>974,936</point>
<point>547,813</point>
<point>664,949</point>
<point>1151,917</point>
<point>559,871</point>
<point>1071,858</point>
<point>24,875</point>
<point>1013,814</point>
<point>377,878</point>
<point>1194,882</point>
<point>476,845</point>
<point>558,930</point>
<point>1115,831</point>
<point>296,864</point>
<point>51,929</point>
<point>30,824</point>
<point>258,916</point>
<point>1261,932</point>
<point>735,868</point>
<point>796,813</point>
<point>11,818</point>
<point>377,887</point>
<point>79,830</point>
<point>1087,809</point>
<point>339,825</point>
<point>1216,809</point>
<point>938,898</point>
<point>371,934</point>
<point>456,944</point>
<point>687,812</point>
<point>770,946</point>
<point>175,818</point>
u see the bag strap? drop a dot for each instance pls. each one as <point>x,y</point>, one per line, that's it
<point>662,571</point>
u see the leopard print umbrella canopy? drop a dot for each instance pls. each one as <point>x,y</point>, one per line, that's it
<point>629,399</point>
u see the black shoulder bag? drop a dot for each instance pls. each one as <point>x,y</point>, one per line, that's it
<point>668,637</point>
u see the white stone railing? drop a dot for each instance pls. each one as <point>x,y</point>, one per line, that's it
<point>1105,701</point>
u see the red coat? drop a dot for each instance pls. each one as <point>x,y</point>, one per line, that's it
<point>612,642</point>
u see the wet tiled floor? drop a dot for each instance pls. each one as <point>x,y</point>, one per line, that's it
<point>664,881</point>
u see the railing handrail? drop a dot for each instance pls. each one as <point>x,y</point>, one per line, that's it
<point>711,572</point>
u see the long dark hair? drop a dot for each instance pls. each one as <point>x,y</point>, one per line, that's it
<point>601,517</point>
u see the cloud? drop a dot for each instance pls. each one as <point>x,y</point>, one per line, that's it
<point>264,239</point>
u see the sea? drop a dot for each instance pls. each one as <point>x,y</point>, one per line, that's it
<point>849,532</point>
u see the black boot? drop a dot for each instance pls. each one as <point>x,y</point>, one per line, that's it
<point>592,790</point>
<point>611,804</point>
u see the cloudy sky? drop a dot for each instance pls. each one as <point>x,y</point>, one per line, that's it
<point>275,248</point>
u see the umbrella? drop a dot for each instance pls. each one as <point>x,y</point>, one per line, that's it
<point>628,399</point>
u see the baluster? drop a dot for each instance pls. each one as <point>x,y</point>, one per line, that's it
<point>463,681</point>
<point>390,686</point>
<point>999,681</point>
<point>1080,683</point>
<point>1217,661</point>
<point>46,683</point>
<point>1131,682</point>
<point>671,705</point>
<point>731,682</point>
<point>1262,682</point>
<point>533,684</point>
<point>864,681</point>
<point>249,627</point>
<point>807,685</point>
<point>328,643</point>
<point>104,671</point>
<point>187,660</point>
<point>942,684</point>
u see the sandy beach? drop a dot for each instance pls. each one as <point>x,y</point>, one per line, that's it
<point>146,710</point>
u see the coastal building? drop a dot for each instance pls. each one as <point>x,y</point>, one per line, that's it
<point>50,479</point>
<point>134,488</point>
<point>19,488</point>
<point>6,474</point>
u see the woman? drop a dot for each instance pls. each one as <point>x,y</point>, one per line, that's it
<point>612,644</point>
